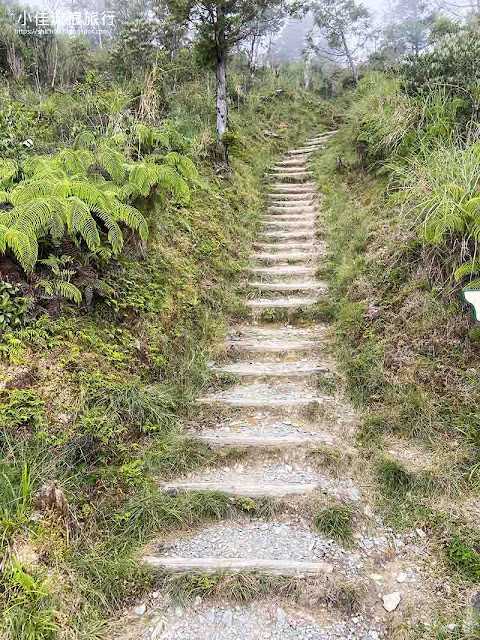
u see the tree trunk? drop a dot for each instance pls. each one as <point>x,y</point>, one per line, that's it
<point>351,61</point>
<point>222,115</point>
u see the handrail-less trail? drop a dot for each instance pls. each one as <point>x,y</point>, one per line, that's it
<point>290,414</point>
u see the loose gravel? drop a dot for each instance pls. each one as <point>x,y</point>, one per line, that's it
<point>266,540</point>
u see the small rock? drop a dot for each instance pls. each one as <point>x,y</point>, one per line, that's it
<point>140,609</point>
<point>198,601</point>
<point>179,612</point>
<point>155,595</point>
<point>376,577</point>
<point>421,533</point>
<point>401,576</point>
<point>281,616</point>
<point>391,601</point>
<point>452,626</point>
<point>354,494</point>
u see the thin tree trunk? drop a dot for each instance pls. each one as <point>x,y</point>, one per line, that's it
<point>351,62</point>
<point>222,115</point>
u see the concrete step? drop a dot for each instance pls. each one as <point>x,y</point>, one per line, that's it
<point>290,224</point>
<point>299,368</point>
<point>288,287</point>
<point>287,256</point>
<point>291,199</point>
<point>288,169</point>
<point>238,565</point>
<point>297,176</point>
<point>287,246</point>
<point>285,396</point>
<point>296,162</point>
<point>287,270</point>
<point>281,303</point>
<point>293,209</point>
<point>308,233</point>
<point>304,151</point>
<point>305,188</point>
<point>255,440</point>
<point>241,489</point>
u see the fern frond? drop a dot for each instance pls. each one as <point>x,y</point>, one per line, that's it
<point>68,290</point>
<point>115,236</point>
<point>473,284</point>
<point>113,161</point>
<point>75,161</point>
<point>23,247</point>
<point>84,140</point>
<point>467,269</point>
<point>8,171</point>
<point>145,175</point>
<point>132,218</point>
<point>80,220</point>
<point>183,164</point>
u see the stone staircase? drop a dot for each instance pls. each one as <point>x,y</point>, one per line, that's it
<point>278,408</point>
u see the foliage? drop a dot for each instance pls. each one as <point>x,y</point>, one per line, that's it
<point>342,23</point>
<point>461,555</point>
<point>335,522</point>
<point>451,65</point>
<point>13,305</point>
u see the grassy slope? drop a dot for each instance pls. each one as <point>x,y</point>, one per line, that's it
<point>409,353</point>
<point>95,401</point>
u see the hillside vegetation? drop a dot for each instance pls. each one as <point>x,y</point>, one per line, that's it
<point>124,245</point>
<point>401,200</point>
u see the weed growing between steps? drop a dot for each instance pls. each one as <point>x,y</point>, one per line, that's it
<point>93,401</point>
<point>243,588</point>
<point>407,349</point>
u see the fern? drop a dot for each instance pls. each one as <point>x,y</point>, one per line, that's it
<point>8,171</point>
<point>113,161</point>
<point>146,175</point>
<point>84,140</point>
<point>183,164</point>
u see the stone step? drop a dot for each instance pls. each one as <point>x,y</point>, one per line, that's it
<point>296,162</point>
<point>288,256</point>
<point>286,246</point>
<point>309,234</point>
<point>241,489</point>
<point>287,169</point>
<point>287,270</point>
<point>255,440</point>
<point>272,369</point>
<point>291,224</point>
<point>292,210</point>
<point>291,199</point>
<point>304,151</point>
<point>304,188</point>
<point>238,565</point>
<point>281,303</point>
<point>288,395</point>
<point>298,286</point>
<point>297,176</point>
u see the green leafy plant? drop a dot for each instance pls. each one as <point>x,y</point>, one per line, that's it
<point>335,522</point>
<point>13,306</point>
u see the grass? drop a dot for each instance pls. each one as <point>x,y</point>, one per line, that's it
<point>335,522</point>
<point>243,588</point>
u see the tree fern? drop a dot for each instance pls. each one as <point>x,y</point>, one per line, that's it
<point>8,171</point>
<point>84,140</point>
<point>183,164</point>
<point>113,161</point>
<point>145,175</point>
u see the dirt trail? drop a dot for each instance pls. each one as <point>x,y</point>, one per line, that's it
<point>284,410</point>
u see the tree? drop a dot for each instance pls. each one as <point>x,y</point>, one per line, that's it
<point>414,17</point>
<point>345,25</point>
<point>219,26</point>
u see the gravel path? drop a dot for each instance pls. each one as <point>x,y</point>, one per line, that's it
<point>268,540</point>
<point>262,621</point>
